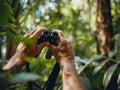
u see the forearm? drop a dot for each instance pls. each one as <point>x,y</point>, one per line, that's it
<point>70,77</point>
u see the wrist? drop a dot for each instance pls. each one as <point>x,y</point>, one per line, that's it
<point>67,66</point>
<point>63,59</point>
<point>66,62</point>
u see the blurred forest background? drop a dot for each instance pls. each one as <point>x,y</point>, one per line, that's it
<point>93,26</point>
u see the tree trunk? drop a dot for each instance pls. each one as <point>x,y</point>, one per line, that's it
<point>104,32</point>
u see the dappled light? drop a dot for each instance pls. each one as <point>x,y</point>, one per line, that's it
<point>91,26</point>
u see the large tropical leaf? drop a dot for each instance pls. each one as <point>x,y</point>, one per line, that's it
<point>118,81</point>
<point>108,74</point>
<point>99,67</point>
<point>111,54</point>
<point>87,83</point>
<point>87,63</point>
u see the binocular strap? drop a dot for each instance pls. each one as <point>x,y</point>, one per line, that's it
<point>49,85</point>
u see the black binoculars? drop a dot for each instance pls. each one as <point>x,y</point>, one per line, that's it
<point>49,36</point>
<point>52,38</point>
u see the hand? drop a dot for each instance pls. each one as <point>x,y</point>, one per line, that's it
<point>23,50</point>
<point>63,52</point>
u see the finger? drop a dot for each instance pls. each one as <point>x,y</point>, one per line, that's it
<point>32,33</point>
<point>27,34</point>
<point>61,36</point>
<point>38,32</point>
<point>61,40</point>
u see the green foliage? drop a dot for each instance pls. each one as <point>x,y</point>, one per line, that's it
<point>87,83</point>
<point>101,74</point>
<point>76,18</point>
<point>118,81</point>
<point>6,15</point>
<point>23,77</point>
<point>31,60</point>
<point>99,67</point>
<point>28,41</point>
<point>6,12</point>
<point>108,74</point>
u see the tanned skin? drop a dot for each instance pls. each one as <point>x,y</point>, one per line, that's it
<point>23,50</point>
<point>63,54</point>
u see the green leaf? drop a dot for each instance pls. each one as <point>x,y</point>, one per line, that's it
<point>28,41</point>
<point>80,69</point>
<point>119,87</point>
<point>86,62</point>
<point>118,81</point>
<point>111,54</point>
<point>2,33</point>
<point>108,74</point>
<point>87,83</point>
<point>22,77</point>
<point>6,13</point>
<point>31,60</point>
<point>98,57</point>
<point>12,27</point>
<point>99,67</point>
<point>79,60</point>
<point>10,12</point>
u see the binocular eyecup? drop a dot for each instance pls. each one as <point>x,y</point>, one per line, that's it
<point>48,36</point>
<point>52,38</point>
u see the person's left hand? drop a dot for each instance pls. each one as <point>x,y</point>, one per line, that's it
<point>23,50</point>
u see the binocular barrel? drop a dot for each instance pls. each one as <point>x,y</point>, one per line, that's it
<point>52,38</point>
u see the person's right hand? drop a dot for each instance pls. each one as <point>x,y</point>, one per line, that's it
<point>63,51</point>
<point>63,54</point>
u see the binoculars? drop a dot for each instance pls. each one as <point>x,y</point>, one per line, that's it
<point>52,38</point>
<point>48,36</point>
